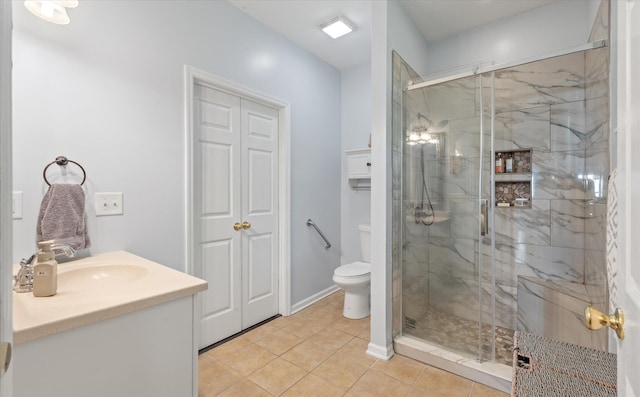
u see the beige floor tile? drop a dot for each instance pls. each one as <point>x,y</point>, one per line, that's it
<point>331,338</point>
<point>205,358</point>
<point>442,383</point>
<point>374,384</point>
<point>304,327</point>
<point>310,310</point>
<point>321,354</point>
<point>215,378</point>
<point>356,350</point>
<point>366,333</point>
<point>339,372</point>
<point>258,333</point>
<point>277,376</point>
<point>401,368</point>
<point>313,386</point>
<point>336,304</point>
<point>415,392</point>
<point>229,348</point>
<point>245,388</point>
<point>349,326</point>
<point>282,321</point>
<point>279,342</point>
<point>249,359</point>
<point>486,391</point>
<point>308,355</point>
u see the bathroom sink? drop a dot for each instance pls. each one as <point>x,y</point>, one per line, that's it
<point>96,275</point>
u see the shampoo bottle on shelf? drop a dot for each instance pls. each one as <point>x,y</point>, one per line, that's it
<point>499,164</point>
<point>45,271</point>
<point>509,163</point>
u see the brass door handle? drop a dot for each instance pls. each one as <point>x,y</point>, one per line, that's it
<point>246,225</point>
<point>237,226</point>
<point>595,319</point>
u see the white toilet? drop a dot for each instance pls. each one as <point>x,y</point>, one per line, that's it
<point>355,279</point>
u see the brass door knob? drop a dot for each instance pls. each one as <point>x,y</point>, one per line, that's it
<point>246,225</point>
<point>595,319</point>
<point>237,226</point>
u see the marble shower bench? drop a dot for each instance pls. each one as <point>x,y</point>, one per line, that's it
<point>555,309</point>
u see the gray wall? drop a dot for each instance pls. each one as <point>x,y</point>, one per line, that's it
<point>559,25</point>
<point>107,91</point>
<point>356,127</point>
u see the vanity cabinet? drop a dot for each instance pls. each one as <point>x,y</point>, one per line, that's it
<point>119,325</point>
<point>148,352</point>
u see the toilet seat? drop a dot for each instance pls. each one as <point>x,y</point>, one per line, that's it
<point>353,270</point>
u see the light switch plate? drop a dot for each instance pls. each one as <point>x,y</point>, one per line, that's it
<point>16,206</point>
<point>109,204</point>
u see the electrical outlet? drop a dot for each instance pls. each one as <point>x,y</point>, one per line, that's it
<point>109,204</point>
<point>16,206</point>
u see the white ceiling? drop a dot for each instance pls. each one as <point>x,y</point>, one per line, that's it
<point>299,21</point>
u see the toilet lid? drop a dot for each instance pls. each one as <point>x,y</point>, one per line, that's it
<point>353,269</point>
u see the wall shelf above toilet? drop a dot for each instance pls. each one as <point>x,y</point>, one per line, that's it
<point>359,168</point>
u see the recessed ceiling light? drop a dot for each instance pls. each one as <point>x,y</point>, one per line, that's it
<point>337,27</point>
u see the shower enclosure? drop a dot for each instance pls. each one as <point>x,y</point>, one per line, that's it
<point>479,252</point>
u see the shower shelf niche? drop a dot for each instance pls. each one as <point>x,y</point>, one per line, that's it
<point>509,186</point>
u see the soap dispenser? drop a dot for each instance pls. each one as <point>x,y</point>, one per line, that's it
<point>45,271</point>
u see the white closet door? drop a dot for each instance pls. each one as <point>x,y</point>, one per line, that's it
<point>260,209</point>
<point>236,183</point>
<point>217,193</point>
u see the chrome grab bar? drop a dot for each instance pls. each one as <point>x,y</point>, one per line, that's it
<point>327,244</point>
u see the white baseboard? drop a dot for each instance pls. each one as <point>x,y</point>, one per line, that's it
<point>313,299</point>
<point>381,352</point>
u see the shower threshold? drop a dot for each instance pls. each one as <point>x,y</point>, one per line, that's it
<point>492,374</point>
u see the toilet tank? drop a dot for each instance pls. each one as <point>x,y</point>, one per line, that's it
<point>365,242</point>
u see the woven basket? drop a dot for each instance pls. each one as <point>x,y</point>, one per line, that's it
<point>548,368</point>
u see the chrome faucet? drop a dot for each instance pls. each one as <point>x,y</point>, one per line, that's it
<point>24,278</point>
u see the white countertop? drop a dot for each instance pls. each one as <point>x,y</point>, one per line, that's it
<point>104,295</point>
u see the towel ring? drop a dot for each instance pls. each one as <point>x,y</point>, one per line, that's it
<point>62,160</point>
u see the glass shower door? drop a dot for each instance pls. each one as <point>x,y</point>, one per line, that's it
<point>445,177</point>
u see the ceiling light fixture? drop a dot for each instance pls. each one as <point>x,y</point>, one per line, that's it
<point>337,27</point>
<point>51,11</point>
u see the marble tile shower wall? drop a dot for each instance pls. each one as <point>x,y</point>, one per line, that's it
<point>547,106</point>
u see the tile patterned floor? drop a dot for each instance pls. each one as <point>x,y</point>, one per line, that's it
<point>318,352</point>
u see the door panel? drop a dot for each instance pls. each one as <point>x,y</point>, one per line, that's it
<point>259,206</point>
<point>220,311</point>
<point>260,193</point>
<point>259,267</point>
<point>628,121</point>
<point>217,187</point>
<point>218,139</point>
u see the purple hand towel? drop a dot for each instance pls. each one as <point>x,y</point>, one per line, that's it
<point>61,216</point>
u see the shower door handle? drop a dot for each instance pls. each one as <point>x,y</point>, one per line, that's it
<point>484,219</point>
